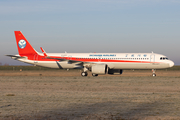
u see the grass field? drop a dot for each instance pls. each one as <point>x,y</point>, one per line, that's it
<point>61,94</point>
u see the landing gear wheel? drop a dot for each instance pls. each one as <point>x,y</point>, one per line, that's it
<point>94,75</point>
<point>84,74</point>
<point>153,74</point>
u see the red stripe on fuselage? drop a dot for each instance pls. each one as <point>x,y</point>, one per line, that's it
<point>44,58</point>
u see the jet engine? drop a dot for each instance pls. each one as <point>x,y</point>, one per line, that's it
<point>115,71</point>
<point>99,69</point>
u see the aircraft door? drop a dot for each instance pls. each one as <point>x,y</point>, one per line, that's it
<point>152,59</point>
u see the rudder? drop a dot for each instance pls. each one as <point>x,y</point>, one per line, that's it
<point>24,47</point>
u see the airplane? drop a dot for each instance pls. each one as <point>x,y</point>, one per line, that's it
<point>97,63</point>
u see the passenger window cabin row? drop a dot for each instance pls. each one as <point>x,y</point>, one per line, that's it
<point>117,58</point>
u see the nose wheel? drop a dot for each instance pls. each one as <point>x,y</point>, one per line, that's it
<point>154,74</point>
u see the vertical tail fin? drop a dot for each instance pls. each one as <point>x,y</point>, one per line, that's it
<point>24,47</point>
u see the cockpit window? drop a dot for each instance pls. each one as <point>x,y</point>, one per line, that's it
<point>163,58</point>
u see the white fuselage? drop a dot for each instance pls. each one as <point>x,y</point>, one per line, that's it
<point>113,60</point>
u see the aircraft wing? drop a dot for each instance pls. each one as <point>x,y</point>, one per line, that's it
<point>56,58</point>
<point>63,59</point>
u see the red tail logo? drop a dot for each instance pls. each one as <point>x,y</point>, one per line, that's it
<point>24,47</point>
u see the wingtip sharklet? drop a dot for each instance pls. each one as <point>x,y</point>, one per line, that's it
<point>43,52</point>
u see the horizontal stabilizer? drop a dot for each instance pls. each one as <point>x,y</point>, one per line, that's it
<point>15,57</point>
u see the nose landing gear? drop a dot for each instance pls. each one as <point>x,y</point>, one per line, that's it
<point>154,74</point>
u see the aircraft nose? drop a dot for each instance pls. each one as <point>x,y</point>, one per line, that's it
<point>171,64</point>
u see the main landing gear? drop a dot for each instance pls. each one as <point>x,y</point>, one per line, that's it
<point>84,74</point>
<point>94,75</point>
<point>154,74</point>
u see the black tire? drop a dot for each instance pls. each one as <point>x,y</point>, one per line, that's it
<point>84,74</point>
<point>153,74</point>
<point>94,75</point>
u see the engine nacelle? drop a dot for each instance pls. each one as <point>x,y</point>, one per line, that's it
<point>115,71</point>
<point>99,69</point>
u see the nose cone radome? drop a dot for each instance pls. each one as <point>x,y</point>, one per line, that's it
<point>171,64</point>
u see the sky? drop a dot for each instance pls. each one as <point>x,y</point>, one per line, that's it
<point>106,26</point>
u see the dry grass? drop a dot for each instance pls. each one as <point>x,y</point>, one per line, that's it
<point>64,73</point>
<point>52,96</point>
<point>10,94</point>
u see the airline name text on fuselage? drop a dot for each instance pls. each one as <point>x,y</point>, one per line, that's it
<point>105,55</point>
<point>114,55</point>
